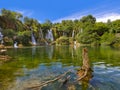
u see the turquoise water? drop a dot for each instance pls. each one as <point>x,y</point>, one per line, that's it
<point>34,65</point>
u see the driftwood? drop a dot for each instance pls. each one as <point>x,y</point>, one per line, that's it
<point>50,81</point>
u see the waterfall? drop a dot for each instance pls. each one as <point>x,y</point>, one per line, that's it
<point>33,40</point>
<point>1,36</point>
<point>15,45</point>
<point>75,45</point>
<point>40,34</point>
<point>64,34</point>
<point>73,34</point>
<point>46,42</point>
<point>81,30</point>
<point>49,35</point>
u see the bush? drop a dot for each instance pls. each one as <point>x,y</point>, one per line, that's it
<point>86,38</point>
<point>63,40</point>
<point>8,32</point>
<point>71,40</point>
<point>24,38</point>
<point>116,42</point>
<point>7,41</point>
<point>108,39</point>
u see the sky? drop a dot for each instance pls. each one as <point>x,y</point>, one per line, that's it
<point>58,10</point>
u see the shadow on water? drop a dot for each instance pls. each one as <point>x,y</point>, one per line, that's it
<point>33,65</point>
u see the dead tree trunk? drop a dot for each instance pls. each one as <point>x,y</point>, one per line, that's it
<point>85,72</point>
<point>86,62</point>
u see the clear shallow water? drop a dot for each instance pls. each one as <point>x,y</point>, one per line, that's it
<point>33,65</point>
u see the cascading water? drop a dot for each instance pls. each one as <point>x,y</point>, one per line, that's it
<point>40,34</point>
<point>33,39</point>
<point>15,45</point>
<point>49,35</point>
<point>73,34</point>
<point>64,34</point>
<point>1,38</point>
<point>75,45</point>
<point>81,30</point>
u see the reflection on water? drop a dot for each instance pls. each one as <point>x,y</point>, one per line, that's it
<point>49,51</point>
<point>33,65</point>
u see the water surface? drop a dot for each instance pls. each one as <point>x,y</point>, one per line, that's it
<point>33,65</point>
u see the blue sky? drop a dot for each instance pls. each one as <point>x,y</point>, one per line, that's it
<point>57,10</point>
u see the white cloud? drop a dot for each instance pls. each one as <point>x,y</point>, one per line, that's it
<point>100,17</point>
<point>71,17</point>
<point>79,15</point>
<point>105,17</point>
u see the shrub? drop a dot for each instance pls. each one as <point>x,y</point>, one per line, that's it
<point>86,38</point>
<point>7,41</point>
<point>108,39</point>
<point>63,40</point>
<point>8,32</point>
<point>24,38</point>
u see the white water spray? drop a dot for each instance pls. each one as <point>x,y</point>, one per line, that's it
<point>49,35</point>
<point>33,39</point>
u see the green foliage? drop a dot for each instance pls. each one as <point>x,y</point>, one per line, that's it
<point>77,25</point>
<point>107,38</point>
<point>63,40</point>
<point>89,19</point>
<point>65,26</point>
<point>9,33</point>
<point>25,33</point>
<point>100,28</point>
<point>117,42</point>
<point>87,22</point>
<point>71,40</point>
<point>24,38</point>
<point>46,26</point>
<point>86,38</point>
<point>116,26</point>
<point>32,24</point>
<point>11,14</point>
<point>7,41</point>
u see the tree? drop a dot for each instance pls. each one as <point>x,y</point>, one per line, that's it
<point>11,14</point>
<point>87,22</point>
<point>116,26</point>
<point>89,19</point>
<point>47,25</point>
<point>11,20</point>
<point>67,27</point>
<point>100,28</point>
